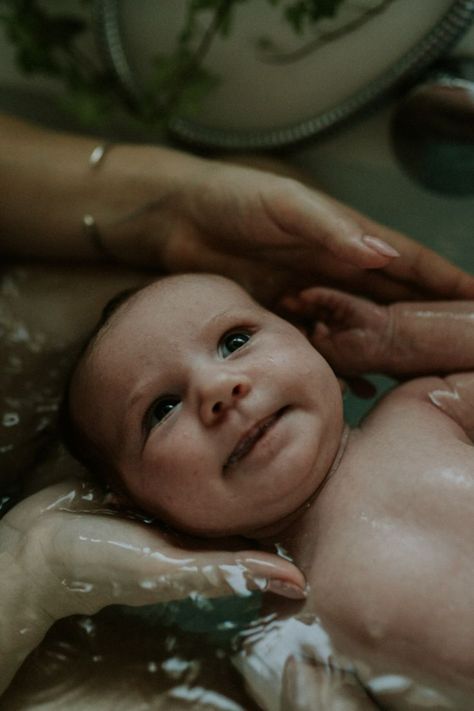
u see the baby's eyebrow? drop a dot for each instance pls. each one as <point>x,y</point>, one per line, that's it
<point>239,313</point>
<point>220,315</point>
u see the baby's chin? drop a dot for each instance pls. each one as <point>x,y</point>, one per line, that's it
<point>211,532</point>
<point>133,506</point>
<point>250,527</point>
<point>222,532</point>
<point>251,530</point>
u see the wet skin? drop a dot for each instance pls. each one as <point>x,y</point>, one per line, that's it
<point>244,439</point>
<point>214,410</point>
<point>387,546</point>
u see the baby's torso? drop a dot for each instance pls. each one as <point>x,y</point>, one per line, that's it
<point>391,569</point>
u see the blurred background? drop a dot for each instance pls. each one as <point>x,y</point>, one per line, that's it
<point>375,99</point>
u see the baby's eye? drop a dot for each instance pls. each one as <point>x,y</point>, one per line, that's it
<point>162,408</point>
<point>232,342</point>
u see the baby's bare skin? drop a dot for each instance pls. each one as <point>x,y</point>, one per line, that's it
<point>55,307</point>
<point>379,519</point>
<point>387,545</point>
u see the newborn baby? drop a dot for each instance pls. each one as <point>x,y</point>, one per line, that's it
<point>222,418</point>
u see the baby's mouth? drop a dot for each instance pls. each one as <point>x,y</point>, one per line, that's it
<point>248,441</point>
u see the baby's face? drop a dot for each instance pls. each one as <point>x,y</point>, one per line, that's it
<point>220,417</point>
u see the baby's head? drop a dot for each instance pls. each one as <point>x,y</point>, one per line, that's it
<point>209,411</point>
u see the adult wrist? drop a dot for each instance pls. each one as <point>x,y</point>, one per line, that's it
<point>136,193</point>
<point>22,584</point>
<point>23,621</point>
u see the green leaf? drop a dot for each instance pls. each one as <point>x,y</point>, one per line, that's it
<point>194,91</point>
<point>89,107</point>
<point>46,43</point>
<point>296,14</point>
<point>319,9</point>
<point>302,13</point>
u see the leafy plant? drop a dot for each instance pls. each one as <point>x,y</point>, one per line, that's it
<point>47,41</point>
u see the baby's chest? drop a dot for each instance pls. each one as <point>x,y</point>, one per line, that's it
<point>395,572</point>
<point>421,482</point>
<point>412,467</point>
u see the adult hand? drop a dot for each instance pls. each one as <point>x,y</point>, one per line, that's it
<point>308,686</point>
<point>79,556</point>
<point>272,233</point>
<point>63,552</point>
<point>159,208</point>
<point>353,334</point>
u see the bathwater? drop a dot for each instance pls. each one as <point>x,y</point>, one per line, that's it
<point>183,655</point>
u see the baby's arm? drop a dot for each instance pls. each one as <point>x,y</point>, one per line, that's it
<point>403,339</point>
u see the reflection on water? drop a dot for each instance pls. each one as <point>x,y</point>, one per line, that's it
<point>125,660</point>
<point>122,658</point>
<point>31,371</point>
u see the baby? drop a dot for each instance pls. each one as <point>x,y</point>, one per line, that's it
<point>222,418</point>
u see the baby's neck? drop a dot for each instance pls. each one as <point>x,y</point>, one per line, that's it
<point>294,535</point>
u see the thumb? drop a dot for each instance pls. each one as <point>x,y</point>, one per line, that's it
<point>219,574</point>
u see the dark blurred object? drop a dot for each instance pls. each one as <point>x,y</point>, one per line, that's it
<point>433,128</point>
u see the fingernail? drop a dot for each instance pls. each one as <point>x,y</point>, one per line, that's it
<point>281,587</point>
<point>378,245</point>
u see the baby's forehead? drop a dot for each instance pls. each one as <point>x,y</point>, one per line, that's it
<point>196,283</point>
<point>169,304</point>
<point>177,295</point>
<point>165,316</point>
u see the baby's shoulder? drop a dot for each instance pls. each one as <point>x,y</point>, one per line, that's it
<point>415,389</point>
<point>405,403</point>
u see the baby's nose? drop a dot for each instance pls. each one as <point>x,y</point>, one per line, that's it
<point>221,394</point>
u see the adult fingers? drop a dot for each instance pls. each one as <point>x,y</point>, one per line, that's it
<point>432,274</point>
<point>218,574</point>
<point>101,560</point>
<point>320,222</point>
<point>91,557</point>
<point>420,266</point>
<point>379,284</point>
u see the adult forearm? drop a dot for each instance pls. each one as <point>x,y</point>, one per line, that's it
<point>431,337</point>
<point>48,185</point>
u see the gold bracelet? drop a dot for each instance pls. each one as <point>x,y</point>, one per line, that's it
<point>89,225</point>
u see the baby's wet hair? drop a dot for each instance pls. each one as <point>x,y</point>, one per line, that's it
<point>77,442</point>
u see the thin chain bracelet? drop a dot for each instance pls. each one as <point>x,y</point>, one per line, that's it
<point>98,154</point>
<point>89,225</point>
